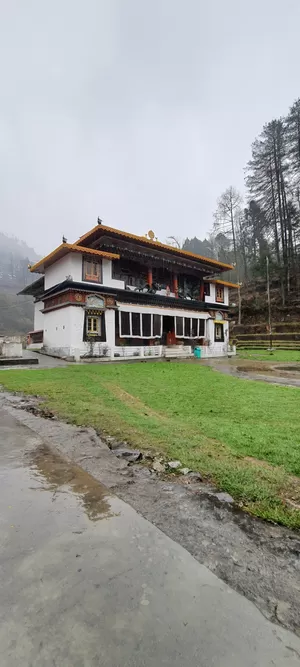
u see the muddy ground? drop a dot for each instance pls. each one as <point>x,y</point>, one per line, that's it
<point>258,559</point>
<point>286,374</point>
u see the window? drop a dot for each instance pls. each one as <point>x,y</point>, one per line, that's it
<point>189,327</point>
<point>93,325</point>
<point>125,324</point>
<point>194,327</point>
<point>157,326</point>
<point>179,326</point>
<point>92,271</point>
<point>135,324</point>
<point>207,289</point>
<point>219,332</point>
<point>201,328</point>
<point>219,294</point>
<point>146,319</point>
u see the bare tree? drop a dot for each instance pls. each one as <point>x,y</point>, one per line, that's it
<point>227,218</point>
<point>175,241</point>
<point>228,209</point>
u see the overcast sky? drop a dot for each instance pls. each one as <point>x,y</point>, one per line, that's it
<point>139,111</point>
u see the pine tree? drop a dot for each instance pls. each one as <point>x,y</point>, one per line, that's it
<point>267,182</point>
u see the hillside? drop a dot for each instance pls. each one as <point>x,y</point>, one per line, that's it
<point>255,304</point>
<point>16,312</point>
<point>254,331</point>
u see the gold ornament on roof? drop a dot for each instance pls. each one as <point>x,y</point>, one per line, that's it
<point>151,235</point>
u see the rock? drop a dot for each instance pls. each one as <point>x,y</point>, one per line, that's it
<point>282,611</point>
<point>224,497</point>
<point>195,476</point>
<point>174,465</point>
<point>116,445</point>
<point>184,471</point>
<point>148,456</point>
<point>131,455</point>
<point>158,467</point>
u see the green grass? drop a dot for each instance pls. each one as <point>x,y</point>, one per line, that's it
<point>265,355</point>
<point>243,435</point>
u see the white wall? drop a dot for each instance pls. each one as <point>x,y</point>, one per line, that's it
<point>76,327</point>
<point>216,349</point>
<point>70,265</point>
<point>110,328</point>
<point>107,278</point>
<point>57,331</point>
<point>63,329</point>
<point>212,297</point>
<point>63,332</point>
<point>78,347</point>
<point>226,296</point>
<point>38,320</point>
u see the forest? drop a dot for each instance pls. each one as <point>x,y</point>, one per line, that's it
<point>16,312</point>
<point>266,221</point>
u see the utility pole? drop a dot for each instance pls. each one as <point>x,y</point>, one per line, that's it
<point>269,303</point>
<point>240,303</point>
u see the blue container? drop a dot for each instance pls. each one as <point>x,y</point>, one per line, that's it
<point>197,352</point>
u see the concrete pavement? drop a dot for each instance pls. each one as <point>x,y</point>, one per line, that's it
<point>86,581</point>
<point>44,362</point>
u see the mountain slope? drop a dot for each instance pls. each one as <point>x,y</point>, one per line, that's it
<point>16,312</point>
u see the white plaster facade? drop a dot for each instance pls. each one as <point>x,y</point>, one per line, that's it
<point>39,320</point>
<point>71,265</point>
<point>212,297</point>
<point>63,332</point>
<point>64,326</point>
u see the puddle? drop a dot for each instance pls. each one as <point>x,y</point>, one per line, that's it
<point>255,369</point>
<point>258,370</point>
<point>61,476</point>
<point>291,369</point>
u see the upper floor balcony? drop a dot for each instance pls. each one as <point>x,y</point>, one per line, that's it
<point>157,277</point>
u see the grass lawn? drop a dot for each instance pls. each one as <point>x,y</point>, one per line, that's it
<point>275,355</point>
<point>243,435</point>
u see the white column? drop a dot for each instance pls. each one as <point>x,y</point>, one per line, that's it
<point>110,330</point>
<point>210,331</point>
<point>226,334</point>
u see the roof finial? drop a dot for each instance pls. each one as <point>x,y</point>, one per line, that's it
<point>99,221</point>
<point>64,240</point>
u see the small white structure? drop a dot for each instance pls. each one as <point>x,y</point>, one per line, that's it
<point>116,295</point>
<point>10,347</point>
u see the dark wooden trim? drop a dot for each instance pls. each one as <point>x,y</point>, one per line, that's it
<point>61,305</point>
<point>153,256</point>
<point>128,296</point>
<point>34,289</point>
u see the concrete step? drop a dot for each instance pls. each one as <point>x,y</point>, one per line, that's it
<point>171,353</point>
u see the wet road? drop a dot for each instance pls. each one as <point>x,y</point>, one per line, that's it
<point>44,362</point>
<point>85,581</point>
